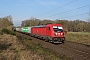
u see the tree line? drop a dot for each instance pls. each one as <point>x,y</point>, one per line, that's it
<point>6,22</point>
<point>72,26</point>
<point>69,25</point>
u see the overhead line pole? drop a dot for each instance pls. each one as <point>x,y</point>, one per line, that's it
<point>88,20</point>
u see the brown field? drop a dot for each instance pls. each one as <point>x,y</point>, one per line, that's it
<point>79,37</point>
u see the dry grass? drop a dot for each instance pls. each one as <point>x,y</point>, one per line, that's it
<point>8,42</point>
<point>13,49</point>
<point>79,37</point>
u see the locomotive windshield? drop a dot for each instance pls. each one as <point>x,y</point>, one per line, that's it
<point>57,29</point>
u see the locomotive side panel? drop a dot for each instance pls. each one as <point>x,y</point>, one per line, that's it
<point>40,31</point>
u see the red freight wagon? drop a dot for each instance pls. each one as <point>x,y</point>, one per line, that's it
<point>50,32</point>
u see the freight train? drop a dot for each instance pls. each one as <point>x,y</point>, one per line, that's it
<point>51,32</point>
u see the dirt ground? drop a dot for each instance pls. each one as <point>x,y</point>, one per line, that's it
<point>12,49</point>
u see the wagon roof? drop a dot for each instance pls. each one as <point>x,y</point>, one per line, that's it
<point>39,26</point>
<point>54,24</point>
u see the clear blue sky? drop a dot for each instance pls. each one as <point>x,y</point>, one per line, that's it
<point>43,9</point>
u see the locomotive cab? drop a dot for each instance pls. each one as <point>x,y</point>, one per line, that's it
<point>58,34</point>
<point>58,31</point>
<point>55,33</point>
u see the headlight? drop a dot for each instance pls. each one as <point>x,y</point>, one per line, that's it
<point>61,33</point>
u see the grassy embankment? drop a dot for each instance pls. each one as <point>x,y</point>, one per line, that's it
<point>79,37</point>
<point>31,51</point>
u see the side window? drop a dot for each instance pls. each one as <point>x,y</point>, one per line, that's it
<point>48,28</point>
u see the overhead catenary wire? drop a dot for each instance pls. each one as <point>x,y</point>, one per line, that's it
<point>70,10</point>
<point>76,15</point>
<point>58,8</point>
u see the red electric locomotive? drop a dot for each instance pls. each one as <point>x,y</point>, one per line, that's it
<point>51,32</point>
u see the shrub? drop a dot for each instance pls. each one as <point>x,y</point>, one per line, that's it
<point>8,31</point>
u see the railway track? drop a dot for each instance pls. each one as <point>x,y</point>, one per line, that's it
<point>71,50</point>
<point>83,54</point>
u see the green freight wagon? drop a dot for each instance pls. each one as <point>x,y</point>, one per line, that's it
<point>26,29</point>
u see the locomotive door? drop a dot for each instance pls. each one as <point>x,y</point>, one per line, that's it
<point>48,31</point>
